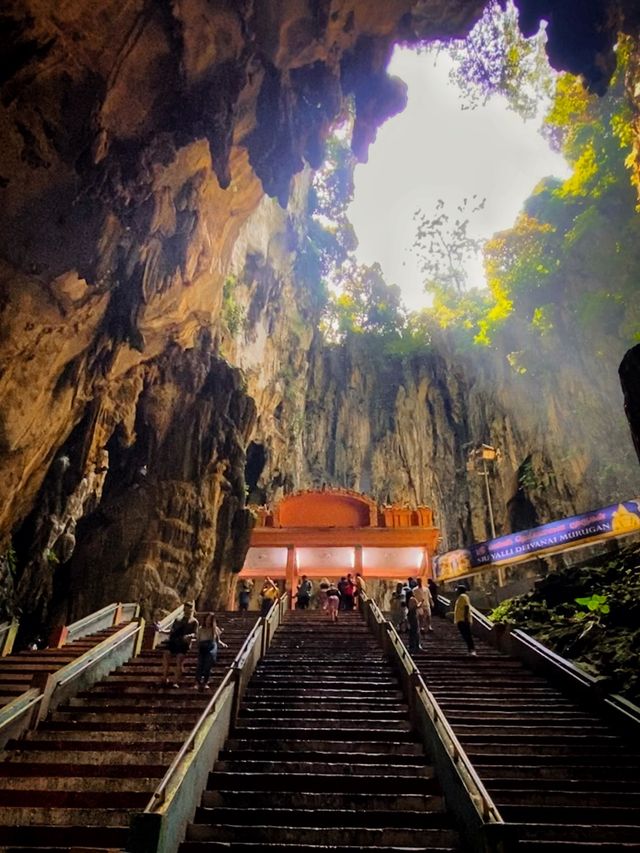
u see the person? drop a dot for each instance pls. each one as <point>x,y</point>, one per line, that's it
<point>423,597</point>
<point>323,586</point>
<point>269,594</point>
<point>333,601</point>
<point>463,618</point>
<point>348,592</point>
<point>398,607</point>
<point>245,588</point>
<point>412,582</point>
<point>360,588</point>
<point>433,592</point>
<point>181,634</point>
<point>413,620</point>
<point>209,638</point>
<point>303,594</point>
<point>341,587</point>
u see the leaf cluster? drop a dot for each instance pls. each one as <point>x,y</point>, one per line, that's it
<point>589,613</point>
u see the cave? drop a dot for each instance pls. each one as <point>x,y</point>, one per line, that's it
<point>158,320</point>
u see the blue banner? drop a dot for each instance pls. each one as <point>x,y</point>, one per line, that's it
<point>610,521</point>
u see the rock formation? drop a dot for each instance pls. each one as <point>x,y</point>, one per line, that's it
<point>153,183</point>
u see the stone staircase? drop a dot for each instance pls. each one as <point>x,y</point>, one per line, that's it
<point>74,782</point>
<point>17,670</point>
<point>560,775</point>
<point>322,754</point>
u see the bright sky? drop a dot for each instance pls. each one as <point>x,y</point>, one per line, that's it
<point>433,150</point>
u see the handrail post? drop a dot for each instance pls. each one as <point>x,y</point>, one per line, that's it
<point>44,682</point>
<point>235,704</point>
<point>7,646</point>
<point>117,614</point>
<point>142,625</point>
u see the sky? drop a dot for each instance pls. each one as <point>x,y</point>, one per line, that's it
<point>435,149</point>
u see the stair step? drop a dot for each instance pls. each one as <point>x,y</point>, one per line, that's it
<point>345,800</point>
<point>324,835</point>
<point>330,782</point>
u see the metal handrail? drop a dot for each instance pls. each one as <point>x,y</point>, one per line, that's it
<point>79,624</point>
<point>159,795</point>
<point>490,811</point>
<point>20,711</point>
<point>248,644</point>
<point>94,659</point>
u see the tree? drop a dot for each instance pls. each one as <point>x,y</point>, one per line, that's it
<point>364,304</point>
<point>443,244</point>
<point>496,59</point>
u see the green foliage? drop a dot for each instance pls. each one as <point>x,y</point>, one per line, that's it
<point>234,314</point>
<point>365,304</point>
<point>589,613</point>
<point>10,560</point>
<point>501,613</point>
<point>496,59</point>
<point>51,557</point>
<point>595,604</point>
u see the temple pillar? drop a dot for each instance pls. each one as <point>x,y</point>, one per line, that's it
<point>424,571</point>
<point>290,572</point>
<point>357,559</point>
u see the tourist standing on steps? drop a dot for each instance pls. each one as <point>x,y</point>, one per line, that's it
<point>341,585</point>
<point>323,586</point>
<point>463,618</point>
<point>413,621</point>
<point>333,601</point>
<point>209,638</point>
<point>269,593</point>
<point>181,634</point>
<point>245,588</point>
<point>423,598</point>
<point>399,608</point>
<point>433,592</point>
<point>360,589</point>
<point>348,591</point>
<point>303,593</point>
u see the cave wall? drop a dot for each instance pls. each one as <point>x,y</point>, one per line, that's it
<point>401,429</point>
<point>155,161</point>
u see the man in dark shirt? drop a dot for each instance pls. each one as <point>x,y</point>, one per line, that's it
<point>181,634</point>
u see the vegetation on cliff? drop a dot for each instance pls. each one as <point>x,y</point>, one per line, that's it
<point>589,613</point>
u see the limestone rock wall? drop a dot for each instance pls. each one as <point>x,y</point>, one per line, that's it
<point>401,431</point>
<point>144,258</point>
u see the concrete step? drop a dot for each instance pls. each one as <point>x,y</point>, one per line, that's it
<point>324,835</point>
<point>252,765</point>
<point>289,743</point>
<point>368,817</point>
<point>327,782</point>
<point>339,801</point>
<point>77,783</point>
<point>19,816</point>
<point>63,836</point>
<point>47,799</point>
<point>22,769</point>
<point>407,754</point>
<point>313,733</point>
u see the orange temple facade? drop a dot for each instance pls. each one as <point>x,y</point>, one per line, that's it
<point>332,532</point>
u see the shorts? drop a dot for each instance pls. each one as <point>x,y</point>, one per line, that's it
<point>333,602</point>
<point>178,646</point>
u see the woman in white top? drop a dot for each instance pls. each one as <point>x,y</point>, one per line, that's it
<point>208,641</point>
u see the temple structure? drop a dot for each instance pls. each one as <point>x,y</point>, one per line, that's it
<point>336,531</point>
